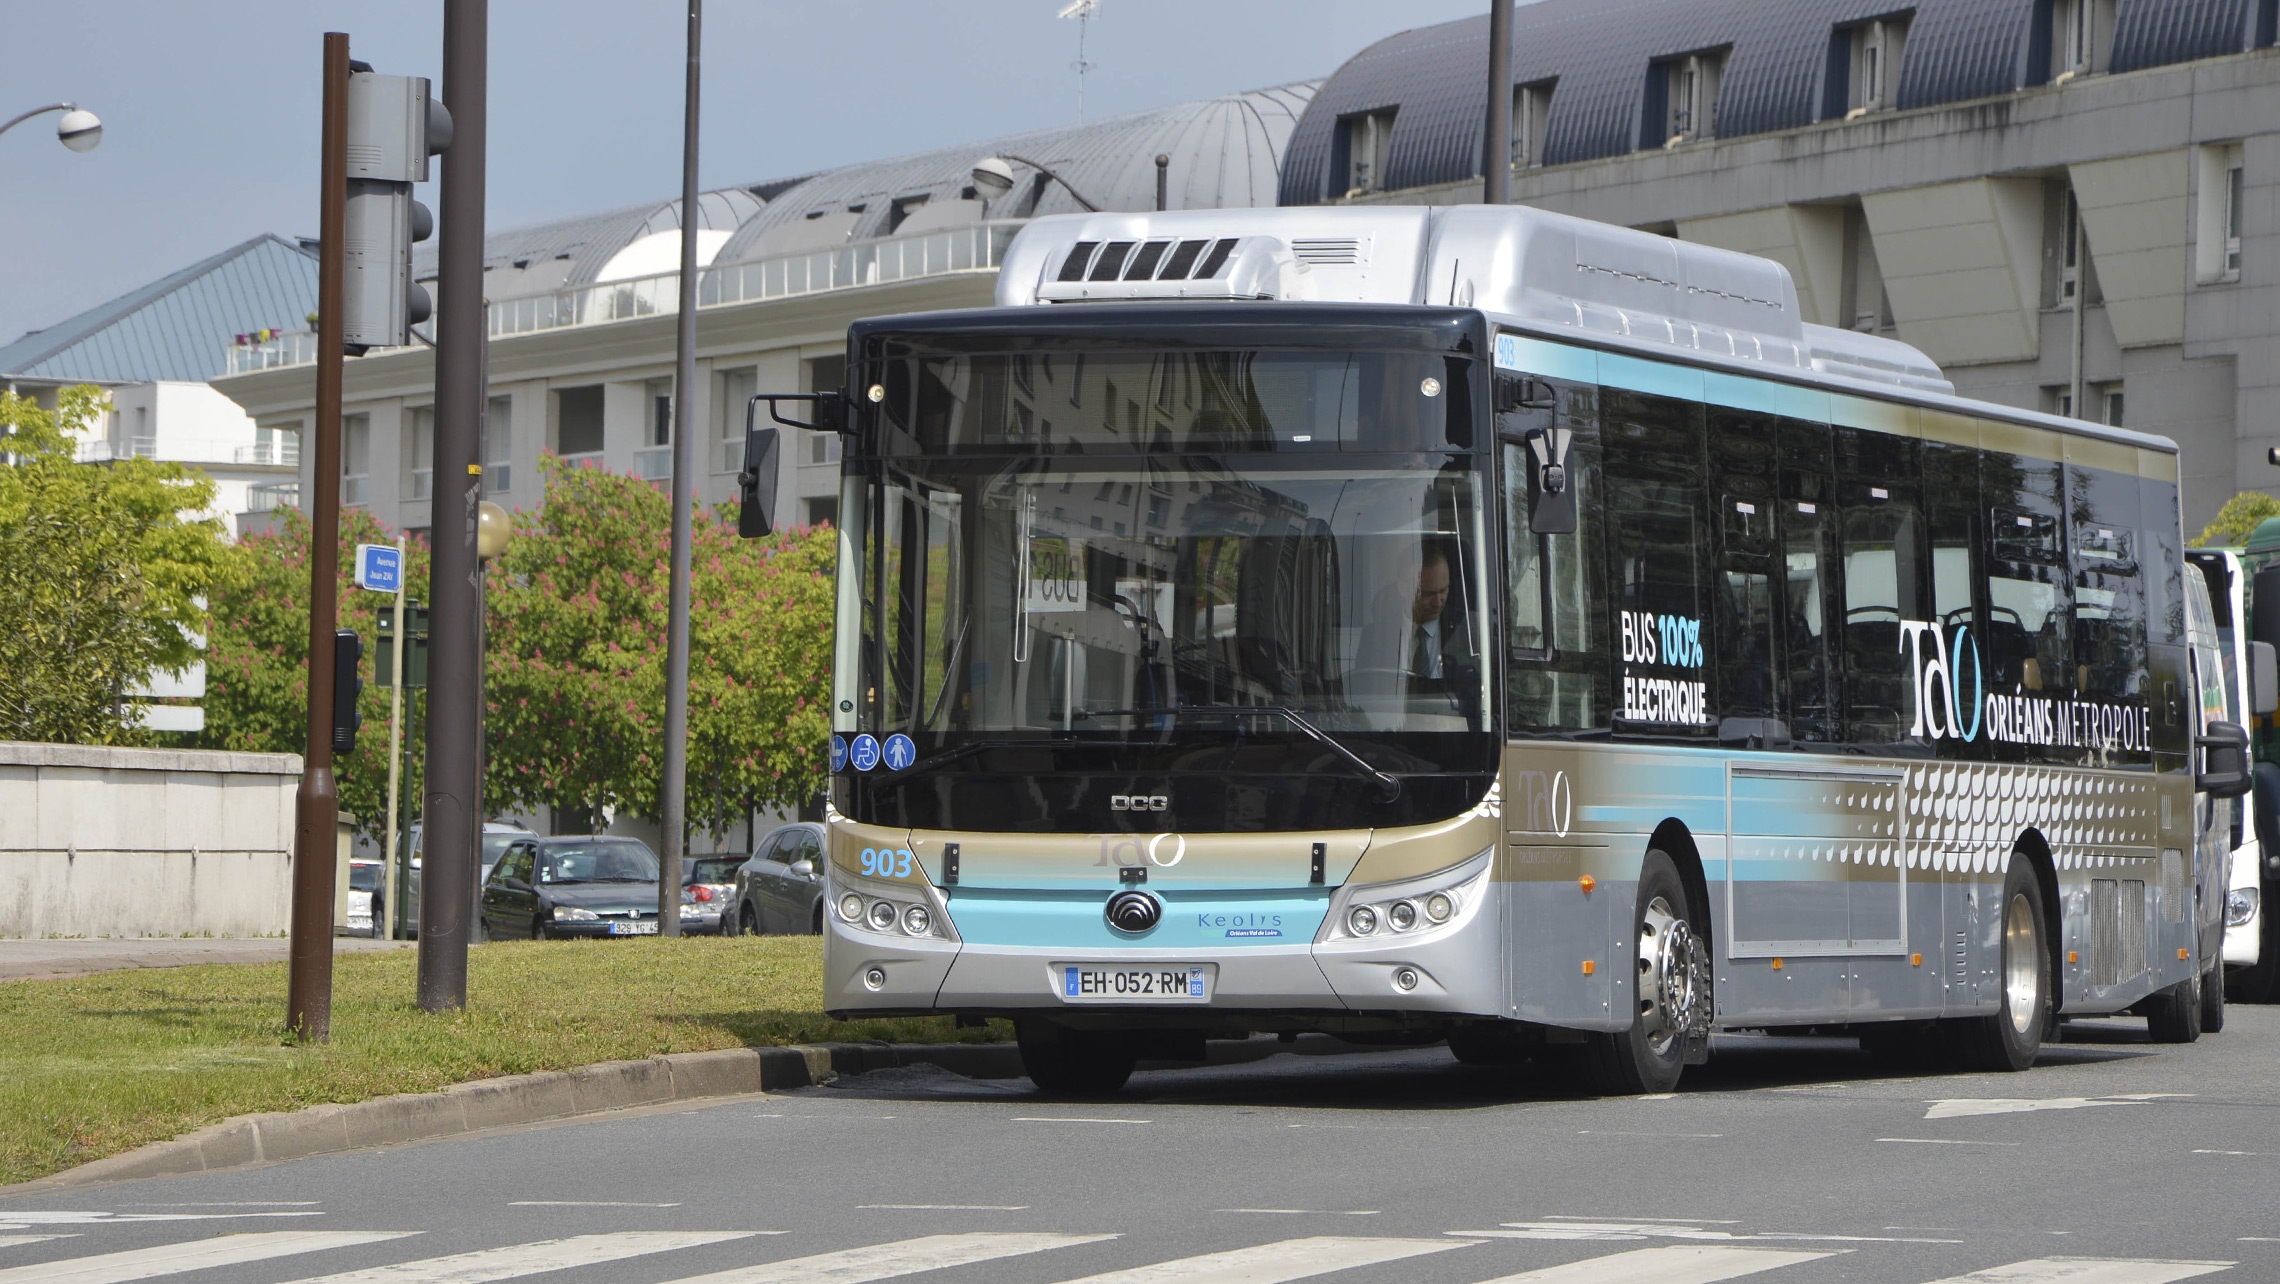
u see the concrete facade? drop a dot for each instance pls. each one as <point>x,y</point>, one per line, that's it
<point>144,842</point>
<point>1945,227</point>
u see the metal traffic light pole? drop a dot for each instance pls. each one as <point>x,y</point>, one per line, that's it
<point>391,902</point>
<point>454,802</point>
<point>316,808</point>
<point>1496,149</point>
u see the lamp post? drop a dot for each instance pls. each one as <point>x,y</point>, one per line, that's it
<point>993,178</point>
<point>78,130</point>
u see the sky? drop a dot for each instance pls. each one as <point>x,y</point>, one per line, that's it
<point>210,111</point>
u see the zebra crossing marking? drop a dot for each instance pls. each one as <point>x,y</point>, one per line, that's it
<point>517,1260</point>
<point>2089,1270</point>
<point>196,1255</point>
<point>886,1261</point>
<point>1290,1259</point>
<point>1665,1264</point>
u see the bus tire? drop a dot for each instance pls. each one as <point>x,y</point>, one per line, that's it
<point>2174,1015</point>
<point>1067,1062</point>
<point>2011,1037</point>
<point>1670,976</point>
<point>2213,999</point>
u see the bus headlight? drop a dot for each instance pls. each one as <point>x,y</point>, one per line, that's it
<point>2240,906</point>
<point>900,909</point>
<point>882,916</point>
<point>917,921</point>
<point>851,908</point>
<point>1425,904</point>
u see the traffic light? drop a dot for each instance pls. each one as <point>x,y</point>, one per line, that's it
<point>393,127</point>
<point>348,683</point>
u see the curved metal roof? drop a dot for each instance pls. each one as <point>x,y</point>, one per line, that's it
<point>1778,59</point>
<point>571,252</point>
<point>1225,151</point>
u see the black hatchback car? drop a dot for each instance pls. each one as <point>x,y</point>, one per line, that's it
<point>572,887</point>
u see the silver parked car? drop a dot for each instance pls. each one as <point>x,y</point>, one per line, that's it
<point>780,890</point>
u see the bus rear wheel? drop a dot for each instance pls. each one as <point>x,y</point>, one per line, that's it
<point>2174,1015</point>
<point>2011,1038</point>
<point>1069,1062</point>
<point>1670,992</point>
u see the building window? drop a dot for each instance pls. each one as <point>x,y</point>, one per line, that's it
<point>903,208</point>
<point>578,424</point>
<point>2069,251</point>
<point>2109,397</point>
<point>2082,33</point>
<point>1870,54</point>
<point>1685,89</point>
<point>498,445</point>
<point>1531,107</point>
<point>355,459</point>
<point>2058,400</point>
<point>736,389</point>
<point>2216,241</point>
<point>1361,149</point>
<point>823,511</point>
<point>419,454</point>
<point>654,461</point>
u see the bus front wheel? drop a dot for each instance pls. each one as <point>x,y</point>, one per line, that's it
<point>1074,1062</point>
<point>1670,992</point>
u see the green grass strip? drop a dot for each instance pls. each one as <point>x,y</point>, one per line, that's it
<point>94,1065</point>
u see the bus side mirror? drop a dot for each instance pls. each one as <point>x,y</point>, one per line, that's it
<point>2263,679</point>
<point>756,484</point>
<point>2224,761</point>
<point>1554,509</point>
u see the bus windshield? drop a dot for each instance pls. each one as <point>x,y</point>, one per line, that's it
<point>1150,604</point>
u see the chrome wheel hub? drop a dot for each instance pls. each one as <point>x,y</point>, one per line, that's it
<point>1673,979</point>
<point>2022,988</point>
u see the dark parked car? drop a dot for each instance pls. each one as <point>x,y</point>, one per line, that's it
<point>572,886</point>
<point>780,890</point>
<point>707,884</point>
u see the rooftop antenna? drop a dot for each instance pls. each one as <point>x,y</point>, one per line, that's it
<point>1082,11</point>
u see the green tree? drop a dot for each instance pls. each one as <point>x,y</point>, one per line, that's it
<point>2238,519</point>
<point>577,686</point>
<point>103,580</point>
<point>257,662</point>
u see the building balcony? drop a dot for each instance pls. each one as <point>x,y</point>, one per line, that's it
<point>270,496</point>
<point>978,248</point>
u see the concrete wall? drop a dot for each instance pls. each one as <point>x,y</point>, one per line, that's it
<point>144,842</point>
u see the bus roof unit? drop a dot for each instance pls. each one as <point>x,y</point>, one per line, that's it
<point>1550,271</point>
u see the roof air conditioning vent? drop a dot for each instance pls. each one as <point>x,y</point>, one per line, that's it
<point>1337,252</point>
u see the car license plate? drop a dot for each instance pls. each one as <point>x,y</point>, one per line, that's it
<point>633,929</point>
<point>1122,983</point>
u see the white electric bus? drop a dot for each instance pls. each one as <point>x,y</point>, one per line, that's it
<point>1481,624</point>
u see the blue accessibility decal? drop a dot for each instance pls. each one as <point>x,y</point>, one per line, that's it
<point>838,753</point>
<point>900,752</point>
<point>866,752</point>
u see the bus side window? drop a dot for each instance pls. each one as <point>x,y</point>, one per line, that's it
<point>1807,512</point>
<point>1555,609</point>
<point>1880,535</point>
<point>1742,454</point>
<point>2026,647</point>
<point>1659,560</point>
<point>1951,507</point>
<point>2109,600</point>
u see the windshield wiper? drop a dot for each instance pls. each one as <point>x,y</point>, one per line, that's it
<point>1389,785</point>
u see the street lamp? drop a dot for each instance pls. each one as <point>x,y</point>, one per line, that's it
<point>78,130</point>
<point>993,178</point>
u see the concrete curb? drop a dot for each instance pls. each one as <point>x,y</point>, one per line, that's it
<point>484,1104</point>
<point>516,1099</point>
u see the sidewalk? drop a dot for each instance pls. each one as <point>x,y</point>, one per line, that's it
<point>30,960</point>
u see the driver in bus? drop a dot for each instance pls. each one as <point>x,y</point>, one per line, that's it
<point>1437,636</point>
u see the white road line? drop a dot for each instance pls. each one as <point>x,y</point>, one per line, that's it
<point>1606,1132</point>
<point>1670,1264</point>
<point>1675,1221</point>
<point>1944,1141</point>
<point>2089,1270</point>
<point>10,1221</point>
<point>886,1261</point>
<point>197,1255</point>
<point>1072,1119</point>
<point>1291,1259</point>
<point>517,1260</point>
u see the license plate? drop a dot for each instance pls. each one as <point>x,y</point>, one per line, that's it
<point>633,929</point>
<point>1103,983</point>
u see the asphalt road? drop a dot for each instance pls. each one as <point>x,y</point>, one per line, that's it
<point>1787,1161</point>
